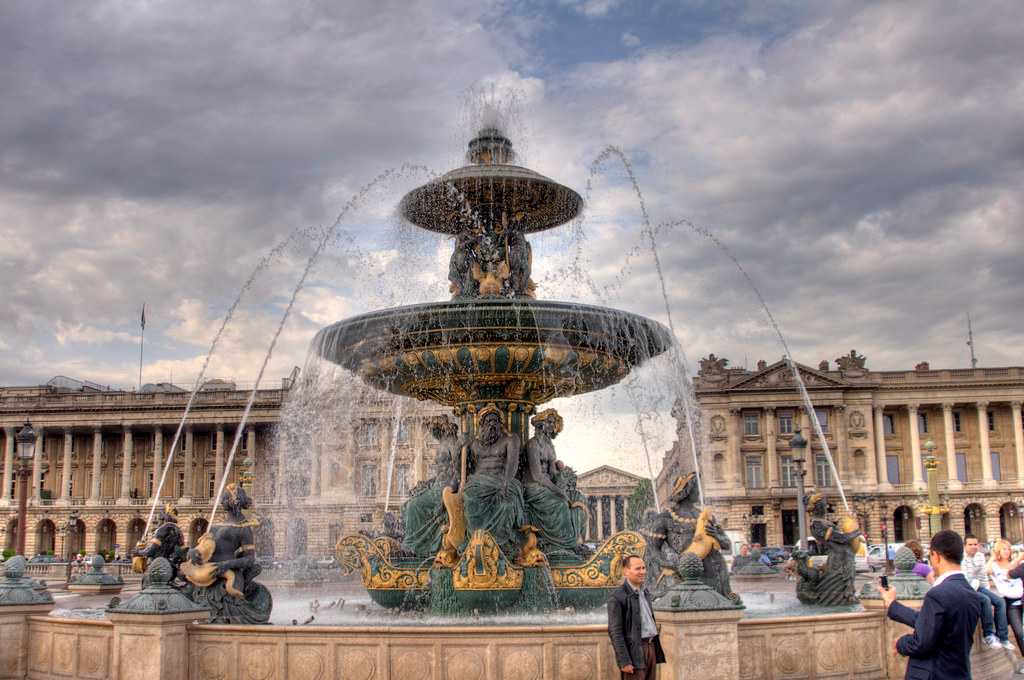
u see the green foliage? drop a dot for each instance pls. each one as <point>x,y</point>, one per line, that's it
<point>640,502</point>
<point>8,553</point>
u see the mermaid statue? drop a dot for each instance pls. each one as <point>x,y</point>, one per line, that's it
<point>548,509</point>
<point>221,568</point>
<point>424,513</point>
<point>167,542</point>
<point>683,527</point>
<point>831,583</point>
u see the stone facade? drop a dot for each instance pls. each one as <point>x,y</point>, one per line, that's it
<point>608,490</point>
<point>877,425</point>
<point>99,454</point>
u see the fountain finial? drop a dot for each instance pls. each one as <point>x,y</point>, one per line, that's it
<point>490,147</point>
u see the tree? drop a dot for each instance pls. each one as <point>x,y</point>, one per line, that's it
<point>640,502</point>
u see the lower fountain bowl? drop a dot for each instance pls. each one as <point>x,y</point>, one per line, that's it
<point>513,349</point>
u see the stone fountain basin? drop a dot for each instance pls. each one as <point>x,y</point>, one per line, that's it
<point>512,349</point>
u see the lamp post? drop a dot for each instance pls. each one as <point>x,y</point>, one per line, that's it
<point>26,440</point>
<point>798,444</point>
<point>933,508</point>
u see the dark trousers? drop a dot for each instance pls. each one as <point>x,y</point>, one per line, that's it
<point>648,673</point>
<point>1013,617</point>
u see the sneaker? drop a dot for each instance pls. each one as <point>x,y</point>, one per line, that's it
<point>992,642</point>
<point>1006,644</point>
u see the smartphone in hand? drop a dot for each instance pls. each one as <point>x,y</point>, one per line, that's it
<point>884,581</point>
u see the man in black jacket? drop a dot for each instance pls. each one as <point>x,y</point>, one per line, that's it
<point>940,646</point>
<point>631,624</point>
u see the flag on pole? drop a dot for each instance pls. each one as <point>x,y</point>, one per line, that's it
<point>142,321</point>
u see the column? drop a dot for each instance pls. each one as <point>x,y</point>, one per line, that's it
<point>250,449</point>
<point>952,481</point>
<point>279,477</point>
<point>915,445</point>
<point>127,447</point>
<point>186,498</point>
<point>986,450</point>
<point>158,461</point>
<point>842,452</point>
<point>735,446</point>
<point>65,484</point>
<point>1018,438</point>
<point>880,456</point>
<point>37,464</point>
<point>218,464</point>
<point>600,518</point>
<point>771,462</point>
<point>97,470</point>
<point>5,494</point>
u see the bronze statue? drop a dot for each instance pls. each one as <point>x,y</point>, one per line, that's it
<point>424,513</point>
<point>832,583</point>
<point>167,542</point>
<point>493,497</point>
<point>221,568</point>
<point>547,504</point>
<point>683,527</point>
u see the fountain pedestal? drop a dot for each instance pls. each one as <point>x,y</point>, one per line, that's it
<point>19,600</point>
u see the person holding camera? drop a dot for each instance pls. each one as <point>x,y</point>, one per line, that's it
<point>939,647</point>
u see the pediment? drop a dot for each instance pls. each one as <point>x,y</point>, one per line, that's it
<point>779,375</point>
<point>606,475</point>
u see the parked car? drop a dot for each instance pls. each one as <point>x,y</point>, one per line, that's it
<point>776,553</point>
<point>876,557</point>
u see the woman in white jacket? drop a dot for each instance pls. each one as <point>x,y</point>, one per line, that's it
<point>1010,586</point>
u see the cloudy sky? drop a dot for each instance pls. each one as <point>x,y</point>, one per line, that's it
<point>862,160</point>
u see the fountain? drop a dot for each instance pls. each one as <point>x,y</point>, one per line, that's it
<point>493,354</point>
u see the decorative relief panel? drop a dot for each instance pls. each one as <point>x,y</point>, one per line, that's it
<point>211,662</point>
<point>412,662</point>
<point>64,653</point>
<point>357,663</point>
<point>789,654</point>
<point>258,662</point>
<point>520,662</point>
<point>752,657</point>
<point>576,662</point>
<point>39,650</point>
<point>466,663</point>
<point>94,656</point>
<point>307,662</point>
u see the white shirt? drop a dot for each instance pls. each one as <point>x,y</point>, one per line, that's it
<point>974,570</point>
<point>1010,588</point>
<point>942,578</point>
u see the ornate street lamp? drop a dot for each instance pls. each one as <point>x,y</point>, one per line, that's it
<point>798,444</point>
<point>933,508</point>
<point>26,440</point>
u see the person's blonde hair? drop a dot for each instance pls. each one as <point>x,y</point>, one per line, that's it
<point>997,547</point>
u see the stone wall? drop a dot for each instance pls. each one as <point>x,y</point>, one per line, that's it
<point>65,648</point>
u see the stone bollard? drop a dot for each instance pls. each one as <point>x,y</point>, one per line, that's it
<point>96,580</point>
<point>699,627</point>
<point>150,635</point>
<point>20,598</point>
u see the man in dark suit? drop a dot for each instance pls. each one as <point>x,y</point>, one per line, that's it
<point>631,624</point>
<point>940,646</point>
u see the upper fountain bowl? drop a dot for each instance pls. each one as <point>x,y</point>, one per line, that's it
<point>490,190</point>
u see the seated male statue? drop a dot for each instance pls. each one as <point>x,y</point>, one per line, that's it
<point>493,497</point>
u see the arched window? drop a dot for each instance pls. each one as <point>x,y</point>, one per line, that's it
<point>296,537</point>
<point>718,467</point>
<point>974,522</point>
<point>264,535</point>
<point>1009,523</point>
<point>135,530</point>
<point>106,536</point>
<point>195,530</point>
<point>904,524</point>
<point>46,533</point>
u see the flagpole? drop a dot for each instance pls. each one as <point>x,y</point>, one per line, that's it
<point>142,340</point>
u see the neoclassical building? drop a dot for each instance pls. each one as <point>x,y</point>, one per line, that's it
<point>100,454</point>
<point>878,426</point>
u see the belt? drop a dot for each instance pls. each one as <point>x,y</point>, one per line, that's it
<point>646,641</point>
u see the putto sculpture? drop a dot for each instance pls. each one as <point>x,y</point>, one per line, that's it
<point>500,508</point>
<point>222,567</point>
<point>167,542</point>
<point>833,582</point>
<point>681,528</point>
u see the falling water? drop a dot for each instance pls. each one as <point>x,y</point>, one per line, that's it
<point>785,346</point>
<point>267,259</point>
<point>396,424</point>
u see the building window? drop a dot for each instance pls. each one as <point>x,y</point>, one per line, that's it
<point>922,422</point>
<point>718,467</point>
<point>149,485</point>
<point>755,473</point>
<point>997,468</point>
<point>785,422</point>
<point>991,421</point>
<point>956,422</point>
<point>822,416</point>
<point>888,423</point>
<point>402,480</point>
<point>789,472</point>
<point>750,423</point>
<point>892,469</point>
<point>181,484</point>
<point>403,431</point>
<point>211,484</point>
<point>369,481</point>
<point>368,434</point>
<point>822,471</point>
<point>213,442</point>
<point>961,467</point>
